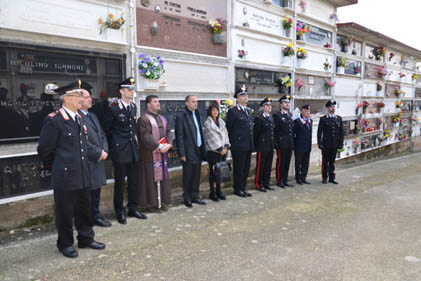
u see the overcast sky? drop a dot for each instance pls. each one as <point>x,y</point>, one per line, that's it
<point>399,19</point>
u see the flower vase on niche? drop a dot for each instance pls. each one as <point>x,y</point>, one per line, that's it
<point>218,38</point>
<point>283,89</point>
<point>286,61</point>
<point>150,84</point>
<point>287,32</point>
<point>300,63</point>
<point>340,70</point>
<point>114,35</point>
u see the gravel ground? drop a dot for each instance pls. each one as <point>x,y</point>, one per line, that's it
<point>367,228</point>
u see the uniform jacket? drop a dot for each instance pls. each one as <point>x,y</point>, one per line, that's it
<point>263,133</point>
<point>284,130</point>
<point>240,129</point>
<point>216,137</point>
<point>302,135</point>
<point>63,147</point>
<point>96,143</point>
<point>186,137</point>
<point>330,133</point>
<point>120,127</point>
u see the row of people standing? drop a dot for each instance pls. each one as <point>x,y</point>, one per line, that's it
<point>73,144</point>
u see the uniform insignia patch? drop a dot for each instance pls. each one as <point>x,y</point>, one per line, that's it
<point>63,114</point>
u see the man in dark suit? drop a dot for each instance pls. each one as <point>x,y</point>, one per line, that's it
<point>120,126</point>
<point>264,143</point>
<point>240,131</point>
<point>330,138</point>
<point>191,150</point>
<point>97,153</point>
<point>303,129</point>
<point>284,141</point>
<point>63,147</point>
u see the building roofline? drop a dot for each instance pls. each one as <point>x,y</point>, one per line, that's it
<point>372,35</point>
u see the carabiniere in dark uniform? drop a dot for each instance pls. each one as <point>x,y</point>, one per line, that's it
<point>264,142</point>
<point>120,126</point>
<point>284,141</point>
<point>330,138</point>
<point>63,147</point>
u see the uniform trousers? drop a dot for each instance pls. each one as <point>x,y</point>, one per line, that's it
<point>191,181</point>
<point>328,162</point>
<point>241,161</point>
<point>95,198</point>
<point>282,164</point>
<point>263,168</point>
<point>120,172</point>
<point>71,204</point>
<point>302,160</point>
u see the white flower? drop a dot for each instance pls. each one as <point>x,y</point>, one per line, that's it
<point>147,73</point>
<point>155,64</point>
<point>144,65</point>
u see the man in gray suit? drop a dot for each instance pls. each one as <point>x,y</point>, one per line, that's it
<point>97,153</point>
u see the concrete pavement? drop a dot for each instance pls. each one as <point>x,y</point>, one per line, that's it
<point>368,228</point>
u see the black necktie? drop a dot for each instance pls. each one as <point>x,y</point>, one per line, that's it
<point>77,119</point>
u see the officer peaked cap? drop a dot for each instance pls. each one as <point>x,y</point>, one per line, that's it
<point>88,87</point>
<point>306,106</point>
<point>240,90</point>
<point>75,85</point>
<point>285,98</point>
<point>330,103</point>
<point>128,83</point>
<point>266,101</point>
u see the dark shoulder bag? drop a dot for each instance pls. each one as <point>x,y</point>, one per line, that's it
<point>222,171</point>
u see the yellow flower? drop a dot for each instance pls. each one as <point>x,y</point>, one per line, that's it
<point>111,16</point>
<point>290,45</point>
<point>100,21</point>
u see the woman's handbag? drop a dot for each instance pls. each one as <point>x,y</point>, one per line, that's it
<point>222,171</point>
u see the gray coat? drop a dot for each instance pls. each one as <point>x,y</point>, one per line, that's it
<point>97,142</point>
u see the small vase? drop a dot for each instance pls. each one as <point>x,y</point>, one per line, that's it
<point>300,37</point>
<point>300,63</point>
<point>150,84</point>
<point>218,38</point>
<point>287,32</point>
<point>282,89</point>
<point>327,91</point>
<point>286,61</point>
<point>114,35</point>
<point>340,70</point>
<point>345,48</point>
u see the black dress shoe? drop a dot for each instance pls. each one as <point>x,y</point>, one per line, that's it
<point>324,181</point>
<point>269,188</point>
<point>239,193</point>
<point>102,223</point>
<point>199,202</point>
<point>281,185</point>
<point>121,218</point>
<point>94,245</point>
<point>299,182</point>
<point>289,185</point>
<point>137,214</point>
<point>213,197</point>
<point>188,204</point>
<point>306,182</point>
<point>261,189</point>
<point>247,193</point>
<point>220,195</point>
<point>333,181</point>
<point>69,252</point>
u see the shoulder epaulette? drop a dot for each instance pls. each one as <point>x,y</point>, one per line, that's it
<point>64,114</point>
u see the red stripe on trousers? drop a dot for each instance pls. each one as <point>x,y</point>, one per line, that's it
<point>278,173</point>
<point>259,154</point>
